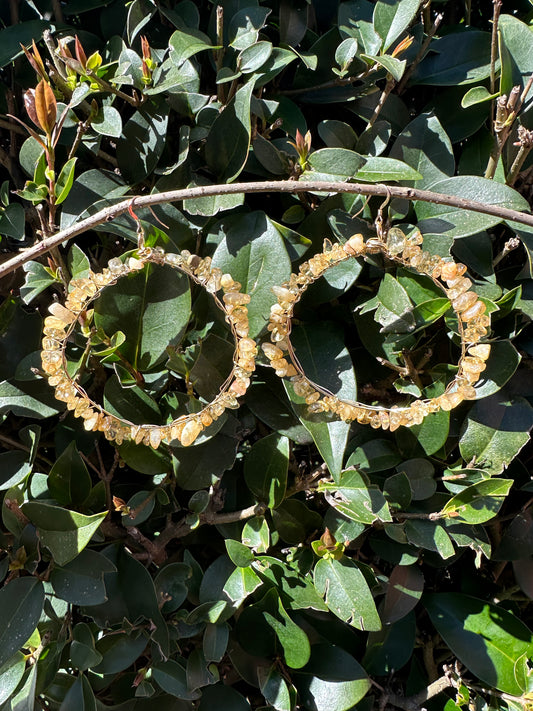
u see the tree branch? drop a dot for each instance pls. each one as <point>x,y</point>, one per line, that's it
<point>275,186</point>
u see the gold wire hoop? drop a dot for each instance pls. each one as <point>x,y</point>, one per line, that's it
<point>473,325</point>
<point>59,326</point>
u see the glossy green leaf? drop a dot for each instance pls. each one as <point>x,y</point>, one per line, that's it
<point>293,640</point>
<point>21,603</point>
<point>119,652</point>
<point>245,25</point>
<point>391,19</point>
<point>346,593</point>
<point>253,252</point>
<point>266,467</point>
<point>478,503</point>
<point>515,37</point>
<point>171,584</point>
<point>171,677</point>
<point>337,161</point>
<point>424,145</point>
<point>223,698</point>
<point>324,358</point>
<point>491,642</point>
<point>108,122</point>
<point>332,679</point>
<point>184,44</point>
<point>460,223</point>
<point>215,641</point>
<point>240,554</point>
<point>152,308</point>
<point>354,497</point>
<point>296,591</point>
<point>404,590</point>
<point>227,158</point>
<point>37,279</point>
<point>81,581</point>
<point>274,688</point>
<point>457,58</point>
<point>80,696</point>
<point>142,141</point>
<point>379,170</point>
<point>69,481</point>
<point>65,533</point>
<point>83,654</point>
<point>495,431</point>
<point>11,673</point>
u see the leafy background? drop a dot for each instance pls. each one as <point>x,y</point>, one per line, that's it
<point>284,561</point>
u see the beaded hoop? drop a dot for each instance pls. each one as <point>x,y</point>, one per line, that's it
<point>185,429</point>
<point>448,275</point>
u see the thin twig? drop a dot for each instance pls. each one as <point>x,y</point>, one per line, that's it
<point>275,186</point>
<point>421,53</point>
<point>496,8</point>
<point>414,703</point>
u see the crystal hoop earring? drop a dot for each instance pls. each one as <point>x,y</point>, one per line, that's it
<point>185,429</point>
<point>447,275</point>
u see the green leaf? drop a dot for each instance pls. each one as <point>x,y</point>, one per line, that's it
<point>378,170</point>
<point>457,58</point>
<point>65,180</point>
<point>430,536</point>
<point>107,122</point>
<point>171,584</point>
<point>495,431</point>
<point>395,67</point>
<point>354,497</point>
<point>119,651</point>
<point>252,58</point>
<point>224,155</point>
<point>12,221</point>
<point>266,467</point>
<point>78,263</point>
<point>37,279</point>
<point>476,95</point>
<point>21,603</point>
<point>151,307</point>
<point>336,161</point>
<point>337,134</point>
<point>478,503</point>
<point>222,698</point>
<point>254,253</point>
<point>143,139</point>
<point>171,677</point>
<point>81,581</point>
<point>239,554</point>
<point>185,44</point>
<point>324,358</point>
<point>404,590</point>
<point>64,533</point>
<point>82,650</point>
<point>28,399</point>
<point>245,25</point>
<point>294,641</point>
<point>454,222</point>
<point>517,65</point>
<point>391,19</point>
<point>332,679</point>
<point>24,699</point>
<point>274,688</point>
<point>69,481</point>
<point>10,674</point>
<point>296,591</point>
<point>215,641</point>
<point>424,145</point>
<point>490,641</point>
<point>346,593</point>
<point>20,33</point>
<point>501,366</point>
<point>80,696</point>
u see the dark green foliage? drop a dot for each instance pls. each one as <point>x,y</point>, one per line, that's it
<point>285,560</point>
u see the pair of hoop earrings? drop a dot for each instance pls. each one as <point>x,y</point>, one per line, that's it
<point>473,325</point>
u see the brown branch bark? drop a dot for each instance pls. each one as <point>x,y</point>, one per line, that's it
<point>279,186</point>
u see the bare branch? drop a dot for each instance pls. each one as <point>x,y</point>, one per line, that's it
<point>276,186</point>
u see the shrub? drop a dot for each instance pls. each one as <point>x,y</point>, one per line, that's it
<point>272,555</point>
